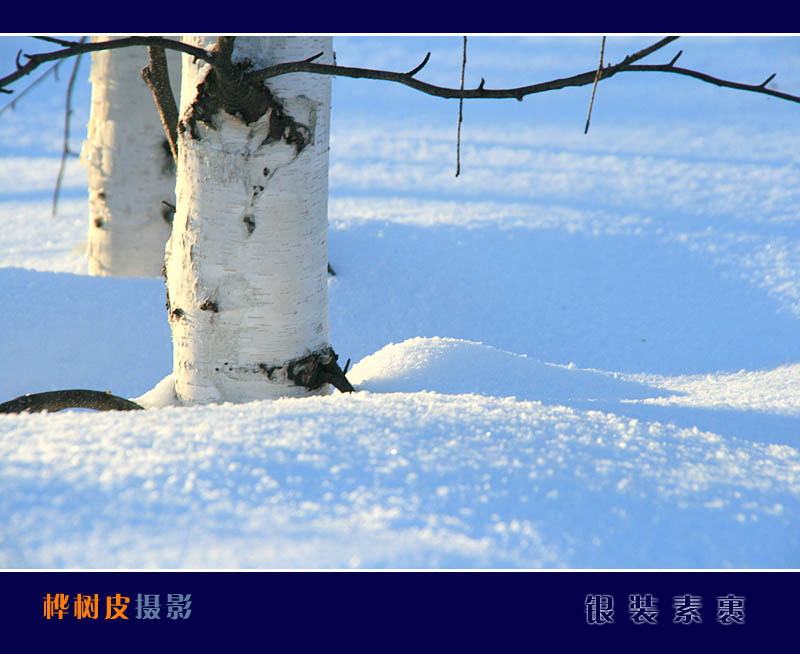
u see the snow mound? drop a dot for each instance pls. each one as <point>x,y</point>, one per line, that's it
<point>162,395</point>
<point>453,367</point>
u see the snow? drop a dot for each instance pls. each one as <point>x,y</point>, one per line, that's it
<point>581,353</point>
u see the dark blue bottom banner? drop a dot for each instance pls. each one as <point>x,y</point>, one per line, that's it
<point>373,611</point>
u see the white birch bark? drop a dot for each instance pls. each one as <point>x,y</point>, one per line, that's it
<point>130,167</point>
<point>247,260</point>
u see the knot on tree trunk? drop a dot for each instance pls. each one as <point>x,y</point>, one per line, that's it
<point>318,368</point>
<point>232,87</point>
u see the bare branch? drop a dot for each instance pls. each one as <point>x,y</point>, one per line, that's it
<point>156,75</point>
<point>444,92</point>
<point>36,60</point>
<point>51,39</point>
<point>755,88</point>
<point>67,116</point>
<point>408,79</point>
<point>582,79</point>
<point>594,86</point>
<point>12,105</point>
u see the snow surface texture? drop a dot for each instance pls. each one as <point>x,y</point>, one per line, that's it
<point>581,353</point>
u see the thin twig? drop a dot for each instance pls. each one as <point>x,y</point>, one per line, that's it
<point>416,69</point>
<point>51,39</point>
<point>53,69</point>
<point>461,110</point>
<point>313,57</point>
<point>596,80</point>
<point>67,115</point>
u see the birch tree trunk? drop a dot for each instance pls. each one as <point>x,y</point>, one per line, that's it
<point>130,167</point>
<point>246,264</point>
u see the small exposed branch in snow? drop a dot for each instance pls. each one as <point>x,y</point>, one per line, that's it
<point>461,109</point>
<point>156,75</point>
<point>71,399</point>
<point>594,87</point>
<point>68,114</point>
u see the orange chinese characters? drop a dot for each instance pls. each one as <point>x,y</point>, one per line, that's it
<point>116,606</point>
<point>86,606</point>
<point>56,605</point>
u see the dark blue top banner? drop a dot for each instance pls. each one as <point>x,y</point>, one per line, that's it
<point>414,18</point>
<point>370,611</point>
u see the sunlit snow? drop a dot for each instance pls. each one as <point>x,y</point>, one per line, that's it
<point>583,352</point>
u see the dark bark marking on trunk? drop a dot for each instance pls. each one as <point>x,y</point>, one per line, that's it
<point>311,371</point>
<point>250,223</point>
<point>166,284</point>
<point>167,162</point>
<point>228,86</point>
<point>177,314</point>
<point>318,368</point>
<point>98,222</point>
<point>193,129</point>
<point>268,370</point>
<point>209,305</point>
<point>168,212</point>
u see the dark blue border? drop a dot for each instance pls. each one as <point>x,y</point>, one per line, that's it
<point>407,17</point>
<point>417,611</point>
